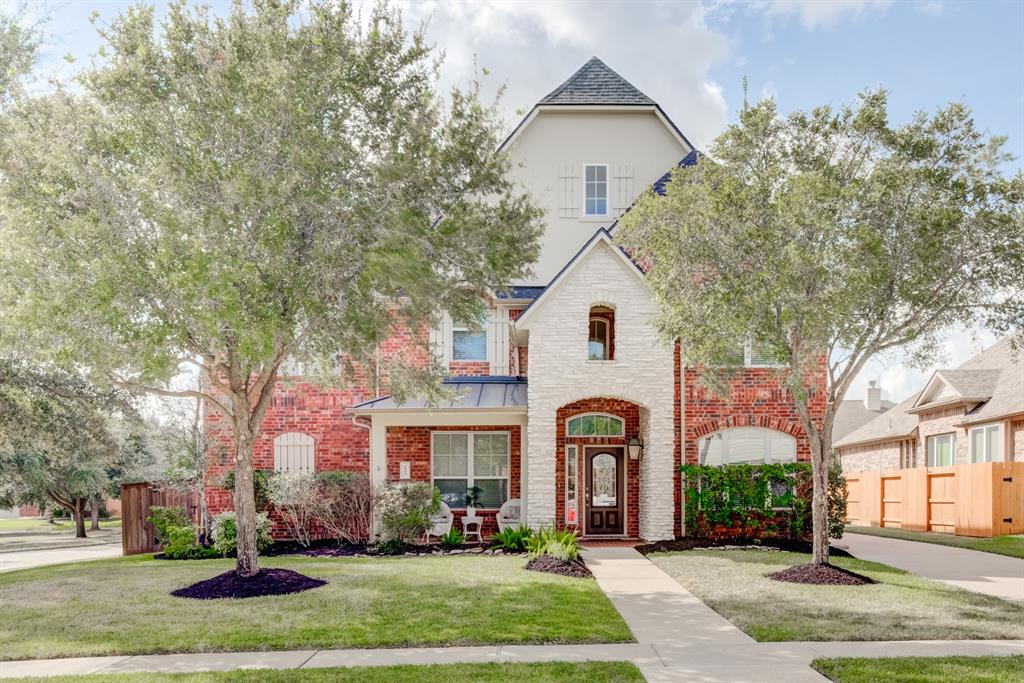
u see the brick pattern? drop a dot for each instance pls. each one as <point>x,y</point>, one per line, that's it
<point>469,368</point>
<point>412,444</point>
<point>943,422</point>
<point>630,413</point>
<point>871,457</point>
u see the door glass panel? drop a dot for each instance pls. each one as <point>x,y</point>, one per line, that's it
<point>603,485</point>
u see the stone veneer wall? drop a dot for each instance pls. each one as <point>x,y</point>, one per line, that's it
<point>872,457</point>
<point>642,373</point>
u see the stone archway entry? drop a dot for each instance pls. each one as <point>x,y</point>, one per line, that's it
<point>604,489</point>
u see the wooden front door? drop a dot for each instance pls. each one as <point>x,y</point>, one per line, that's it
<point>604,491</point>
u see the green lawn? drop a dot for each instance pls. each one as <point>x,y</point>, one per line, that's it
<point>122,606</point>
<point>59,525</point>
<point>1000,545</point>
<point>923,669</point>
<point>609,672</point>
<point>900,607</point>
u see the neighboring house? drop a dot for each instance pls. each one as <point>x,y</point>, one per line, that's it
<point>566,398</point>
<point>974,413</point>
<point>853,414</point>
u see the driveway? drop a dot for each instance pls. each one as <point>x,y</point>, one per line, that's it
<point>987,573</point>
<point>23,559</point>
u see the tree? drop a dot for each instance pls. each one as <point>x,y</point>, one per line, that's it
<point>229,193</point>
<point>185,446</point>
<point>19,48</point>
<point>57,445</point>
<point>827,237</point>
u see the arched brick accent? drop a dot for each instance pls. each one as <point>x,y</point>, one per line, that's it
<point>702,429</point>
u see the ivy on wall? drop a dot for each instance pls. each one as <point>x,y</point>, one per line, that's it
<point>771,500</point>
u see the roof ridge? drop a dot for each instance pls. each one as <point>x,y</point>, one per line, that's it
<point>596,83</point>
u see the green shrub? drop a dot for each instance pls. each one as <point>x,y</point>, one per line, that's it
<point>391,546</point>
<point>407,510</point>
<point>563,545</point>
<point>163,518</point>
<point>453,539</point>
<point>225,533</point>
<point>836,498</point>
<point>771,500</point>
<point>296,497</point>
<point>345,505</point>
<point>512,540</point>
<point>181,544</point>
<point>259,485</point>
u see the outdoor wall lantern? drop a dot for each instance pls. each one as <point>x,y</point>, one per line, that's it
<point>635,448</point>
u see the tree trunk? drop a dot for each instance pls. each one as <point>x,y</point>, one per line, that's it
<point>245,501</point>
<point>95,510</point>
<point>821,459</point>
<point>205,522</point>
<point>79,514</point>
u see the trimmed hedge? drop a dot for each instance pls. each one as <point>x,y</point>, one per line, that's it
<point>755,501</point>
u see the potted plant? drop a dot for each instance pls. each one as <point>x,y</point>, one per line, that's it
<point>472,498</point>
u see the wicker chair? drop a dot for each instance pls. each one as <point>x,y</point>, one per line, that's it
<point>442,522</point>
<point>510,515</point>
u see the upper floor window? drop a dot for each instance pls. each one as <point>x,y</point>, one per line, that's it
<point>752,355</point>
<point>595,189</point>
<point>469,342</point>
<point>987,443</point>
<point>941,450</point>
<point>597,340</point>
<point>595,425</point>
<point>294,452</point>
<point>746,446</point>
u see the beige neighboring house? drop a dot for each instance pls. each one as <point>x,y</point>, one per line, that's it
<point>854,413</point>
<point>970,414</point>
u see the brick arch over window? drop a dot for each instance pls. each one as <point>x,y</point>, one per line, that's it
<point>706,427</point>
<point>294,452</point>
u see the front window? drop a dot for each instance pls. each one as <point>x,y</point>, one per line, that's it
<point>987,444</point>
<point>595,186</point>
<point>464,460</point>
<point>594,425</point>
<point>940,450</point>
<point>469,342</point>
<point>746,446</point>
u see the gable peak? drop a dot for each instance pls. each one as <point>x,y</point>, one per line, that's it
<point>596,83</point>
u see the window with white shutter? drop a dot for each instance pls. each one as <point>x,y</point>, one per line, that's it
<point>294,452</point>
<point>568,191</point>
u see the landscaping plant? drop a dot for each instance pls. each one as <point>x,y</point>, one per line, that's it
<point>225,533</point>
<point>822,238</point>
<point>407,509</point>
<point>296,497</point>
<point>512,540</point>
<point>345,505</point>
<point>453,539</point>
<point>563,545</point>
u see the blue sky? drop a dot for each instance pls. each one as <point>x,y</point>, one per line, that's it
<point>691,57</point>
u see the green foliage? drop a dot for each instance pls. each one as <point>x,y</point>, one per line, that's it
<point>407,510</point>
<point>345,505</point>
<point>259,484</point>
<point>771,500</point>
<point>296,497</point>
<point>389,546</point>
<point>837,493</point>
<point>225,532</point>
<point>163,518</point>
<point>473,496</point>
<point>453,539</point>
<point>180,544</point>
<point>562,544</point>
<point>512,540</point>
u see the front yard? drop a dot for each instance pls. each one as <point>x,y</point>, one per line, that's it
<point>122,606</point>
<point>1012,546</point>
<point>900,606</point>
<point>923,669</point>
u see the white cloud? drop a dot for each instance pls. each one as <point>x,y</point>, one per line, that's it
<point>814,14</point>
<point>665,49</point>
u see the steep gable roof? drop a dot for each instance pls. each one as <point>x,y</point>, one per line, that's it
<point>596,83</point>
<point>894,424</point>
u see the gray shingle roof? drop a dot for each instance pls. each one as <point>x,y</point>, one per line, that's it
<point>896,423</point>
<point>596,83</point>
<point>472,393</point>
<point>853,414</point>
<point>1008,390</point>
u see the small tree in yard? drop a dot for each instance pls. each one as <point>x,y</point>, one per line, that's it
<point>829,236</point>
<point>228,193</point>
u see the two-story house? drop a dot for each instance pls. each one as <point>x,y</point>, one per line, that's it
<point>567,401</point>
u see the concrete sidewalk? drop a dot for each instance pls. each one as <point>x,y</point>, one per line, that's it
<point>23,559</point>
<point>997,575</point>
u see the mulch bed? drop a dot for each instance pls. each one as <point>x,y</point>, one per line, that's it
<point>820,575</point>
<point>734,544</point>
<point>266,582</point>
<point>546,563</point>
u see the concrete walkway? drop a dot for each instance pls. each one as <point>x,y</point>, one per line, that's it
<point>23,559</point>
<point>987,573</point>
<point>679,638</point>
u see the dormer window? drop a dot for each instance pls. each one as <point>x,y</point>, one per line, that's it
<point>601,334</point>
<point>595,189</point>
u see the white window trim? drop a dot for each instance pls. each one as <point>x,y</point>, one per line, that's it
<point>952,448</point>
<point>607,338</point>
<point>484,329</point>
<point>767,459</point>
<point>607,192</point>
<point>572,455</point>
<point>597,436</point>
<point>470,478</point>
<point>998,426</point>
<point>748,356</point>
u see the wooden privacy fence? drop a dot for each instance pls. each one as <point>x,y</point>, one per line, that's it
<point>981,499</point>
<point>138,535</point>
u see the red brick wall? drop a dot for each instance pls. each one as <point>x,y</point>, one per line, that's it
<point>630,413</point>
<point>469,368</point>
<point>413,444</point>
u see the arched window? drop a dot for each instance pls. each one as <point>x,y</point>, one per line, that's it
<point>294,452</point>
<point>601,334</point>
<point>594,424</point>
<point>746,445</point>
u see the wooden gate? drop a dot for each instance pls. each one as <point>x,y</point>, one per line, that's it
<point>138,535</point>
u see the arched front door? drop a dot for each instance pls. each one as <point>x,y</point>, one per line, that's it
<point>605,487</point>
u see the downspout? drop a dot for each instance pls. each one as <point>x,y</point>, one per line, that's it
<point>682,442</point>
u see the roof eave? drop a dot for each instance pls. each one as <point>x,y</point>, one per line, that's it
<point>842,443</point>
<point>412,410</point>
<point>947,403</point>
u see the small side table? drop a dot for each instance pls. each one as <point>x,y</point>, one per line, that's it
<point>471,527</point>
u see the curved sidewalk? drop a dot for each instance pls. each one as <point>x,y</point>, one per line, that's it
<point>973,570</point>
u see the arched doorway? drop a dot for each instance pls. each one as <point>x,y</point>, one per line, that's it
<point>603,499</point>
